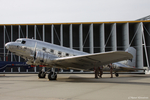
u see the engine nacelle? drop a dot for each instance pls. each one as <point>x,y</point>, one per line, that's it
<point>42,58</point>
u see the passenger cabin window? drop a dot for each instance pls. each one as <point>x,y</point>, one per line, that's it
<point>59,54</point>
<point>52,51</point>
<point>67,54</point>
<point>23,42</point>
<point>44,49</point>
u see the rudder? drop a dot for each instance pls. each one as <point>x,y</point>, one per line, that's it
<point>131,62</point>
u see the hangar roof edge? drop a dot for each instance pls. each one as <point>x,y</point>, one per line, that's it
<point>110,22</point>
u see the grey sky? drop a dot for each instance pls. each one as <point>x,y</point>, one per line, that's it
<point>57,11</point>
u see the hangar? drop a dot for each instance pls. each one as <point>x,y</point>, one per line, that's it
<point>91,37</point>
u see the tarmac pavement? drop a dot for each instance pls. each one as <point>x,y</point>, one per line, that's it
<point>74,87</point>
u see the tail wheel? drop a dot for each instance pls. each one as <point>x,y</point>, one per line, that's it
<point>52,76</point>
<point>41,74</point>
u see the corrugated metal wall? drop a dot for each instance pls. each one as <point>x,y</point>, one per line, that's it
<point>87,37</point>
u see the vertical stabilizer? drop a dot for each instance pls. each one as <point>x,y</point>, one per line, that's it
<point>131,62</point>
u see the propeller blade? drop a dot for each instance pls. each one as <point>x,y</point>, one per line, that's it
<point>35,51</point>
<point>35,46</point>
<point>7,53</point>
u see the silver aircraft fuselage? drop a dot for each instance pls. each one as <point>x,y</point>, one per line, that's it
<point>26,48</point>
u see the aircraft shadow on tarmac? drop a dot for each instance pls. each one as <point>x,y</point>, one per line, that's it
<point>135,80</point>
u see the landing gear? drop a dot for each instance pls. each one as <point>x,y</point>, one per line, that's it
<point>116,74</point>
<point>41,74</point>
<point>52,76</point>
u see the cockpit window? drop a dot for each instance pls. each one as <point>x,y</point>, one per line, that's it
<point>19,41</point>
<point>23,42</point>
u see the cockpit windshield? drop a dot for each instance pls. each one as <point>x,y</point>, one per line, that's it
<point>19,41</point>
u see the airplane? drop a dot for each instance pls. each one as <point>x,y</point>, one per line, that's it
<point>52,56</point>
<point>6,64</point>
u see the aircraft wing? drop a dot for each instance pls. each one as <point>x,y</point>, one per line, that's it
<point>89,61</point>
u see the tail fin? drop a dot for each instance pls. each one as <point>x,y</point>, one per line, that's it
<point>131,62</point>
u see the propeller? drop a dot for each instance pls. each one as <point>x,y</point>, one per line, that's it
<point>34,56</point>
<point>7,55</point>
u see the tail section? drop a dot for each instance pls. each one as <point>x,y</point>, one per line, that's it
<point>131,62</point>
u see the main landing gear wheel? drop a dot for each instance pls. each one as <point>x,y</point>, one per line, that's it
<point>41,74</point>
<point>116,74</point>
<point>52,76</point>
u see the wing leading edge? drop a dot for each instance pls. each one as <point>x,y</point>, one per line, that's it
<point>86,62</point>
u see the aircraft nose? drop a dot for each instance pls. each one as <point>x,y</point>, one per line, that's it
<point>7,45</point>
